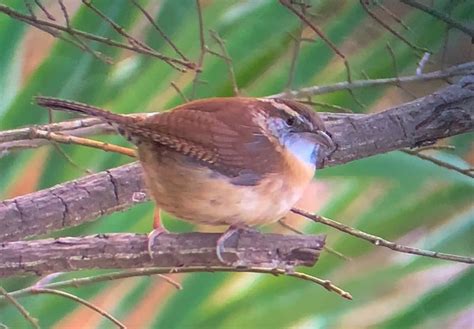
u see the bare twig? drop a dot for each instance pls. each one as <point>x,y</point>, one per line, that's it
<point>107,315</point>
<point>178,64</point>
<point>435,147</point>
<point>448,20</point>
<point>203,48</point>
<point>320,33</point>
<point>11,299</point>
<point>228,60</point>
<point>463,69</point>
<point>294,55</point>
<point>326,248</point>
<point>160,31</point>
<point>331,107</point>
<point>81,44</point>
<point>388,28</point>
<point>467,172</point>
<point>378,241</point>
<point>120,30</point>
<point>393,16</point>
<point>69,159</point>
<point>395,69</point>
<point>43,9</point>
<point>179,91</point>
<point>153,271</point>
<point>36,133</point>
<point>17,139</point>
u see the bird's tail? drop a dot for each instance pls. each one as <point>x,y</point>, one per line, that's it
<point>70,106</point>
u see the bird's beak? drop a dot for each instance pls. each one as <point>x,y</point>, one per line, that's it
<point>321,137</point>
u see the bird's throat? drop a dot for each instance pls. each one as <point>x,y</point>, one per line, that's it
<point>303,148</point>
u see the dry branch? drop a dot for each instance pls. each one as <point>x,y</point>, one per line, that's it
<point>23,138</point>
<point>445,113</point>
<point>249,249</point>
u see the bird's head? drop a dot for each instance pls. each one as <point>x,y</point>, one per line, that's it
<point>299,129</point>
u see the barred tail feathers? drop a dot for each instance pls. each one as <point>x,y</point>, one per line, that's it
<point>120,122</point>
<point>70,106</point>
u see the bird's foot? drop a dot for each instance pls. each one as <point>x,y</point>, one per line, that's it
<point>158,229</point>
<point>225,236</point>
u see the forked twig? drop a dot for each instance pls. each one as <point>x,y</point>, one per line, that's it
<point>328,285</point>
<point>320,33</point>
<point>388,28</point>
<point>378,241</point>
<point>11,299</point>
<point>228,60</point>
<point>448,20</point>
<point>178,64</point>
<point>37,290</point>
<point>467,172</point>
<point>65,139</point>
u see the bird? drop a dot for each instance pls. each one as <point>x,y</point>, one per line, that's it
<point>235,161</point>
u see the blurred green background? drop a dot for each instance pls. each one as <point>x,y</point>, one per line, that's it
<point>395,195</point>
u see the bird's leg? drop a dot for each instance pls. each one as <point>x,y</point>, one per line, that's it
<point>226,235</point>
<point>158,229</point>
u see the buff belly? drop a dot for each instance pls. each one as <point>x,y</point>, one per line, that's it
<point>197,194</point>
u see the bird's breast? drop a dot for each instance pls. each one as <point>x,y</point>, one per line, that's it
<point>198,194</point>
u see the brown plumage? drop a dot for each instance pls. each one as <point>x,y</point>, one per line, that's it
<point>219,160</point>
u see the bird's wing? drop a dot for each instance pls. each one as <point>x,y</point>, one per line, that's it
<point>221,134</point>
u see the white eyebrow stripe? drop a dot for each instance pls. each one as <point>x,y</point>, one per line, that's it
<point>281,106</point>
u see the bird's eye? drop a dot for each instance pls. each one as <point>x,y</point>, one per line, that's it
<point>290,121</point>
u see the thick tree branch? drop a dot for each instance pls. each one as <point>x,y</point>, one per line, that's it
<point>114,251</point>
<point>23,138</point>
<point>445,113</point>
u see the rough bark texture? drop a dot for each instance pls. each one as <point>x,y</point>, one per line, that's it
<point>170,250</point>
<point>445,113</point>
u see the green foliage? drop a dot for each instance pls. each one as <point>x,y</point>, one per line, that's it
<point>395,196</point>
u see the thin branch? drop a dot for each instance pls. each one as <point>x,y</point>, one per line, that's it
<point>393,16</point>
<point>74,283</point>
<point>388,28</point>
<point>179,91</point>
<point>301,15</point>
<point>435,147</point>
<point>17,139</point>
<point>81,44</point>
<point>395,69</point>
<point>160,31</point>
<point>120,30</point>
<point>378,241</point>
<point>79,300</point>
<point>29,7</point>
<point>65,139</point>
<point>203,48</point>
<point>228,60</point>
<point>174,62</point>
<point>11,299</point>
<point>326,248</point>
<point>459,70</point>
<point>333,108</point>
<point>294,55</point>
<point>43,9</point>
<point>58,148</point>
<point>448,20</point>
<point>467,172</point>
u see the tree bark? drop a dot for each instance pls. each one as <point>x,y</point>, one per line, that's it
<point>445,113</point>
<point>107,251</point>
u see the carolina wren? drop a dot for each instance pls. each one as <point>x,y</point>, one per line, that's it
<point>223,161</point>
